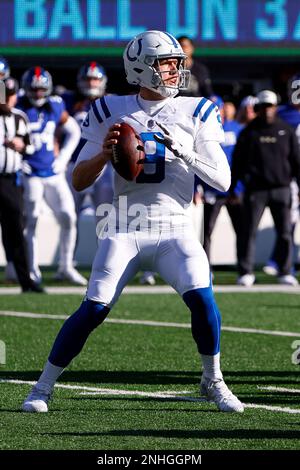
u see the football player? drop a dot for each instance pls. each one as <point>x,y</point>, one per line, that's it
<point>91,84</point>
<point>45,171</point>
<point>182,138</point>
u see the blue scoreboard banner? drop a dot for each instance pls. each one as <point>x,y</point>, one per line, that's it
<point>220,27</point>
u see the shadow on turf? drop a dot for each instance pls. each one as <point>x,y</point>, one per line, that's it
<point>161,377</point>
<point>183,434</point>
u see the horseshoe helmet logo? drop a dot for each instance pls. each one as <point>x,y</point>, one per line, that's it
<point>133,59</point>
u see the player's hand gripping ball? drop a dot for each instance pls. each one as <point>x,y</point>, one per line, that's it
<point>128,154</point>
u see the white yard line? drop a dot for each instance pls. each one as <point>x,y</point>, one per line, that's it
<point>101,391</point>
<point>165,289</point>
<point>280,389</point>
<point>233,329</point>
<point>105,391</point>
<point>277,409</point>
<point>8,313</point>
<point>159,395</point>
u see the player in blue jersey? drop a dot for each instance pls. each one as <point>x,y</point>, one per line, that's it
<point>149,225</point>
<point>45,171</point>
<point>91,84</point>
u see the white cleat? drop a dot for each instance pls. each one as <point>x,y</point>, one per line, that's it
<point>37,400</point>
<point>147,278</point>
<point>216,390</point>
<point>36,276</point>
<point>246,280</point>
<point>270,270</point>
<point>288,280</point>
<point>71,275</point>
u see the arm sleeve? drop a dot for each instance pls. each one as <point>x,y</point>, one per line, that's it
<point>211,166</point>
<point>72,135</point>
<point>92,137</point>
<point>210,162</point>
<point>92,129</point>
<point>87,150</point>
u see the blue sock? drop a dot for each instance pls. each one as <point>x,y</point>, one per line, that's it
<point>75,331</point>
<point>206,320</point>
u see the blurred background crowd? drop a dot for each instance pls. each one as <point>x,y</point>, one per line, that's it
<point>39,142</point>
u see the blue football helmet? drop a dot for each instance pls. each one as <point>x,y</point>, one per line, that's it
<point>37,85</point>
<point>92,80</point>
<point>4,69</point>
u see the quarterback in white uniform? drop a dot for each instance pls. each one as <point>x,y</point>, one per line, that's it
<point>149,226</point>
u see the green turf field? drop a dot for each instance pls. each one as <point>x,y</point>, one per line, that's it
<point>152,359</point>
<point>222,276</point>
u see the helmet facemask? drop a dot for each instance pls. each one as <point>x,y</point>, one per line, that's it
<point>160,83</point>
<point>92,80</point>
<point>92,91</point>
<point>37,96</point>
<point>37,84</point>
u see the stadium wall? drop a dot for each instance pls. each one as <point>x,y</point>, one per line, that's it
<point>223,239</point>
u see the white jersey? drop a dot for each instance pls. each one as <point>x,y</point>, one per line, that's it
<point>165,186</point>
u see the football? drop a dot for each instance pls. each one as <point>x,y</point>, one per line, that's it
<point>128,154</point>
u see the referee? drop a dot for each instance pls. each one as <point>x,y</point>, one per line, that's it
<point>14,137</point>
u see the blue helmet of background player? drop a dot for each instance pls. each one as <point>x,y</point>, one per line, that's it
<point>4,69</point>
<point>37,85</point>
<point>92,80</point>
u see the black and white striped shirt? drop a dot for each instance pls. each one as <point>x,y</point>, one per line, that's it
<point>12,125</point>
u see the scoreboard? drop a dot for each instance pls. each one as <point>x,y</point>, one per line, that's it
<point>218,27</point>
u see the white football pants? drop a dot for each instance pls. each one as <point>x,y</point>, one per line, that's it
<point>56,192</point>
<point>181,262</point>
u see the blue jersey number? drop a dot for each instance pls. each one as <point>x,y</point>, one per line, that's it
<point>154,164</point>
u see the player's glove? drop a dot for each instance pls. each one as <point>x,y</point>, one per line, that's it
<point>173,145</point>
<point>60,164</point>
<point>26,168</point>
<point>210,164</point>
